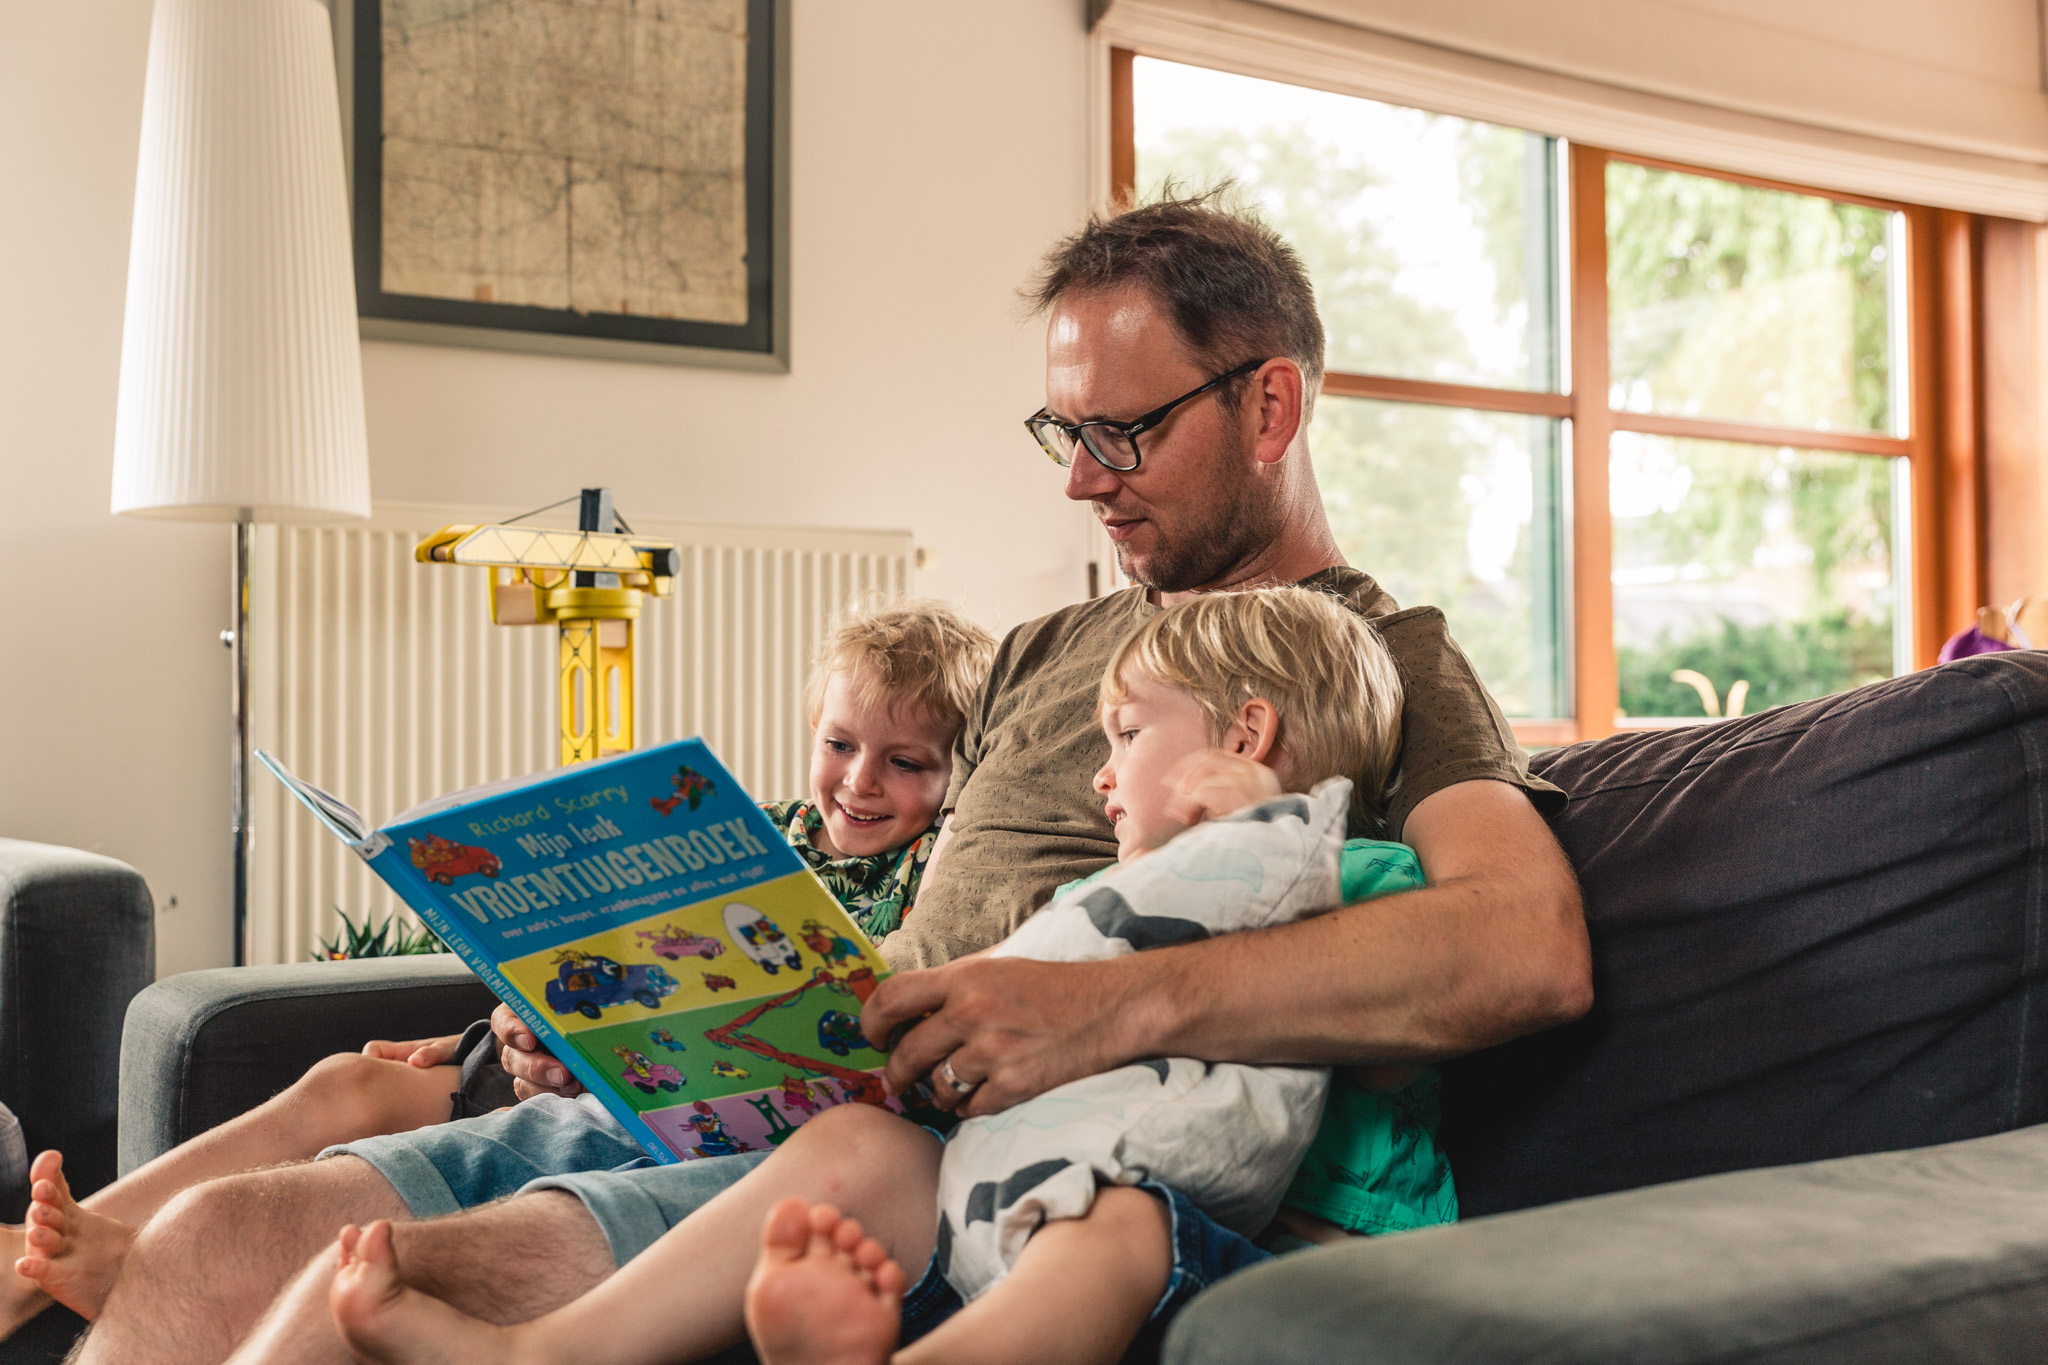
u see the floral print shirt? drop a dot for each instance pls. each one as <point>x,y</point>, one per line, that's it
<point>878,890</point>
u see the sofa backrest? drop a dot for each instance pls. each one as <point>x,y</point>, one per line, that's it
<point>1817,931</point>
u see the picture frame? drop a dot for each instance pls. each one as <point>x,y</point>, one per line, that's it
<point>755,338</point>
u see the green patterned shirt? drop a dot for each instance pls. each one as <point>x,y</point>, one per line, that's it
<point>878,890</point>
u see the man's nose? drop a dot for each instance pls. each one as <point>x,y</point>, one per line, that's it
<point>1087,479</point>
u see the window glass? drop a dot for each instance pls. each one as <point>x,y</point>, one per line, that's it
<point>1749,576</point>
<point>1734,302</point>
<point>1431,240</point>
<point>1457,509</point>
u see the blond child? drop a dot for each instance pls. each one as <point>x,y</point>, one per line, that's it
<point>1218,706</point>
<point>889,690</point>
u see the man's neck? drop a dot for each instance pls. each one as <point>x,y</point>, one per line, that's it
<point>1299,552</point>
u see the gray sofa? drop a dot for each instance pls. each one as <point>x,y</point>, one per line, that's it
<point>1818,935</point>
<point>77,942</point>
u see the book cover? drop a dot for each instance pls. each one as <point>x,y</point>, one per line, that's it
<point>654,930</point>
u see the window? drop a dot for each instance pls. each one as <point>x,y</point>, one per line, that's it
<point>1644,432</point>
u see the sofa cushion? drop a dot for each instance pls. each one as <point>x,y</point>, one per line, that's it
<point>1935,1254</point>
<point>1816,931</point>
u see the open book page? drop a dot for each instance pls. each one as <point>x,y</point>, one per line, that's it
<point>338,815</point>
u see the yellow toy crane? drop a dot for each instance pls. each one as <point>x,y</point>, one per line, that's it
<point>588,582</point>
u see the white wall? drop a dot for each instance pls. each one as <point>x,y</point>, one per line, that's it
<point>938,147</point>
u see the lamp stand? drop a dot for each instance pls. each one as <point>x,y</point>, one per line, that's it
<point>238,641</point>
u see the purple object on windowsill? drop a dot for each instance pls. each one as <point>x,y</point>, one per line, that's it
<point>1964,643</point>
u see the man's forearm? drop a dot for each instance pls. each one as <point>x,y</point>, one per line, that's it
<point>1493,948</point>
<point>1416,977</point>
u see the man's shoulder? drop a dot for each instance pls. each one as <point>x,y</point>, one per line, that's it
<point>1100,617</point>
<point>1358,591</point>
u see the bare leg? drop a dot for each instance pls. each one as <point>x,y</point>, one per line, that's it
<point>504,1262</point>
<point>1080,1292</point>
<point>201,1272</point>
<point>81,1246</point>
<point>679,1300</point>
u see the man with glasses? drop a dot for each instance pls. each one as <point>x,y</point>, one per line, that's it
<point>1183,359</point>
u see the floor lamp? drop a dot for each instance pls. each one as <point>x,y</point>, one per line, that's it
<point>241,374</point>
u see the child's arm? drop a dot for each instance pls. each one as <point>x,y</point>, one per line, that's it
<point>419,1051</point>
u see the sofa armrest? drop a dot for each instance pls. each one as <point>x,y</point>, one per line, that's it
<point>1894,1257</point>
<point>77,942</point>
<point>202,1047</point>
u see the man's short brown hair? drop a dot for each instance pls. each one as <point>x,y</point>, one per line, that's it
<point>1323,667</point>
<point>916,655</point>
<point>1235,289</point>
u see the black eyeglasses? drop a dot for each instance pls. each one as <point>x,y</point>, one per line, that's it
<point>1113,444</point>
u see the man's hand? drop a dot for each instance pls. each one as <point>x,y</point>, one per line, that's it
<point>533,1068</point>
<point>418,1052</point>
<point>1013,1027</point>
<point>1219,783</point>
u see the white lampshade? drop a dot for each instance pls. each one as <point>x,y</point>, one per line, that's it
<point>241,372</point>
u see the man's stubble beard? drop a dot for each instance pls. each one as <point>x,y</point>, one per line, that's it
<point>1240,528</point>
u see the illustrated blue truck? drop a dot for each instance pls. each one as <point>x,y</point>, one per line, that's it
<point>587,984</point>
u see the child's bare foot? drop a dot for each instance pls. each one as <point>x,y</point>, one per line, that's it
<point>20,1299</point>
<point>74,1254</point>
<point>822,1293</point>
<point>386,1323</point>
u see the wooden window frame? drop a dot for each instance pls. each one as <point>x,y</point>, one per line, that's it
<point>1941,447</point>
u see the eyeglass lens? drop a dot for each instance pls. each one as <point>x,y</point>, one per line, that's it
<point>1111,446</point>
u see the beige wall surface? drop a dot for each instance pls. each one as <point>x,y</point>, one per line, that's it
<point>937,148</point>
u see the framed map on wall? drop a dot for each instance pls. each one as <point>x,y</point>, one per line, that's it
<point>592,177</point>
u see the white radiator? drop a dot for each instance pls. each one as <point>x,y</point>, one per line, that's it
<point>383,681</point>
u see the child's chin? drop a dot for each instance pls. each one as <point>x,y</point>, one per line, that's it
<point>863,841</point>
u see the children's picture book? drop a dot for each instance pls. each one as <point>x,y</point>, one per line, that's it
<point>647,922</point>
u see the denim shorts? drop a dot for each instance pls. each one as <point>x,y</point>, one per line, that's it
<point>1204,1251</point>
<point>548,1143</point>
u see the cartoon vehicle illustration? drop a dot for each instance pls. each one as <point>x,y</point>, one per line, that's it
<point>690,785</point>
<point>712,1139</point>
<point>728,1070</point>
<point>672,943</point>
<point>587,982</point>
<point>828,945</point>
<point>646,1075</point>
<point>661,1037</point>
<point>718,983</point>
<point>760,938</point>
<point>443,860</point>
<point>839,1033</point>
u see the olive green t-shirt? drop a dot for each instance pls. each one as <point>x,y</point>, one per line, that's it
<point>1026,819</point>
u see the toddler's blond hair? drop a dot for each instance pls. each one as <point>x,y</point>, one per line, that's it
<point>918,654</point>
<point>1321,665</point>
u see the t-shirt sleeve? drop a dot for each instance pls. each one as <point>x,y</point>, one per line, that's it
<point>967,746</point>
<point>1451,730</point>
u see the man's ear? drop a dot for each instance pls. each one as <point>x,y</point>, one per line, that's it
<point>1275,392</point>
<point>1255,731</point>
